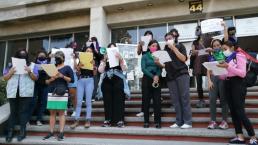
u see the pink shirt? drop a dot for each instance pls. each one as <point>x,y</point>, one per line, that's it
<point>236,67</point>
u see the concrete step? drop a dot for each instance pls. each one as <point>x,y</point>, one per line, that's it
<point>165,133</point>
<point>37,140</point>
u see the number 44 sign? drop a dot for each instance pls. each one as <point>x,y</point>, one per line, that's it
<point>195,6</point>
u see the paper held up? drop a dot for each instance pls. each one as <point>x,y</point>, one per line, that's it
<point>211,25</point>
<point>113,60</point>
<point>146,40</point>
<point>214,68</point>
<point>50,69</point>
<point>19,65</point>
<point>203,52</point>
<point>86,59</point>
<point>162,55</point>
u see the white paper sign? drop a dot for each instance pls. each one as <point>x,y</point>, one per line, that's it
<point>202,52</point>
<point>212,25</point>
<point>54,50</point>
<point>247,27</point>
<point>19,65</point>
<point>186,31</point>
<point>128,51</point>
<point>146,40</point>
<point>68,52</point>
<point>163,56</point>
<point>214,68</point>
<point>113,60</point>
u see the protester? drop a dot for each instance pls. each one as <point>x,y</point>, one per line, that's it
<point>198,69</point>
<point>178,80</point>
<point>141,52</point>
<point>41,88</point>
<point>217,89</point>
<point>113,88</point>
<point>85,88</point>
<point>59,96</point>
<point>235,92</point>
<point>150,87</point>
<point>20,90</point>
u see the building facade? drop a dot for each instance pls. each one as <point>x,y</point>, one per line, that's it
<point>46,24</point>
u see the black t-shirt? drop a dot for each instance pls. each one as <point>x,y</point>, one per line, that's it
<point>175,68</point>
<point>108,67</point>
<point>86,72</point>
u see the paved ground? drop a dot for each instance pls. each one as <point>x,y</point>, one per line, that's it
<point>92,141</point>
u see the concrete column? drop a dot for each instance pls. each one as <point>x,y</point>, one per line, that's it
<point>98,26</point>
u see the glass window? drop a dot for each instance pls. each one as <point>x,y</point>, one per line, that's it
<point>13,46</point>
<point>60,41</point>
<point>229,21</point>
<point>2,55</point>
<point>37,44</point>
<point>125,35</point>
<point>81,38</point>
<point>158,31</point>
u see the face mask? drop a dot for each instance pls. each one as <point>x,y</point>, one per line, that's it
<point>22,56</point>
<point>153,49</point>
<point>216,49</point>
<point>227,53</point>
<point>42,58</point>
<point>58,60</point>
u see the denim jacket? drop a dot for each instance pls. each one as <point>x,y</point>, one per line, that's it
<point>110,73</point>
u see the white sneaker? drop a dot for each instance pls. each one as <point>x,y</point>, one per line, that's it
<point>39,123</point>
<point>186,126</point>
<point>74,113</point>
<point>65,113</point>
<point>152,115</point>
<point>140,114</point>
<point>174,126</point>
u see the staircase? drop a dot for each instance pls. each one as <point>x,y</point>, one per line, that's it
<point>134,130</point>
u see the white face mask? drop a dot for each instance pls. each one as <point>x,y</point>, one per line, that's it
<point>227,53</point>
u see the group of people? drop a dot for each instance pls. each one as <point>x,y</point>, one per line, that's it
<point>52,92</point>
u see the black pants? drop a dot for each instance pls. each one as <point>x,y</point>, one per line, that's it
<point>235,93</point>
<point>114,99</point>
<point>149,93</point>
<point>19,111</point>
<point>199,86</point>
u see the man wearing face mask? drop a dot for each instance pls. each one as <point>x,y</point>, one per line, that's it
<point>20,90</point>
<point>178,80</point>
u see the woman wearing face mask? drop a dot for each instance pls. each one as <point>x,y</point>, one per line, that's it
<point>113,90</point>
<point>150,86</point>
<point>216,89</point>
<point>20,90</point>
<point>178,80</point>
<point>85,88</point>
<point>41,88</point>
<point>235,92</point>
<point>141,52</point>
<point>59,83</point>
<point>198,69</point>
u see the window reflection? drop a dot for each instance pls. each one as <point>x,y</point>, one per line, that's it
<point>60,41</point>
<point>81,38</point>
<point>37,44</point>
<point>125,35</point>
<point>158,31</point>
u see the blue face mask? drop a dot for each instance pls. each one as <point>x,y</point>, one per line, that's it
<point>216,49</point>
<point>42,62</point>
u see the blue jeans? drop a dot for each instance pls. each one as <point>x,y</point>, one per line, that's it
<point>85,86</point>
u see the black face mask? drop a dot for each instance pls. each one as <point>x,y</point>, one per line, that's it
<point>58,60</point>
<point>22,56</point>
<point>42,58</point>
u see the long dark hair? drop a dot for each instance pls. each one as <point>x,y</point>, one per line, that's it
<point>17,55</point>
<point>152,42</point>
<point>41,51</point>
<point>110,44</point>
